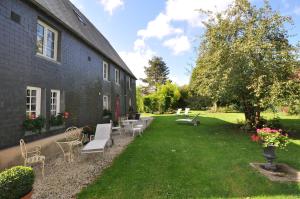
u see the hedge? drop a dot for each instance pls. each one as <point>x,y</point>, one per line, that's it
<point>16,182</point>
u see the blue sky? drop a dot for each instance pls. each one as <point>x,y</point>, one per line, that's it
<point>167,28</point>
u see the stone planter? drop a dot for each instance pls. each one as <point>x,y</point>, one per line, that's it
<point>28,195</point>
<point>269,154</point>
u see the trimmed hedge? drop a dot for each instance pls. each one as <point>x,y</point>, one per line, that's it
<point>16,182</point>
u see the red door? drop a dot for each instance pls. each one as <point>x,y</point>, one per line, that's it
<point>117,108</point>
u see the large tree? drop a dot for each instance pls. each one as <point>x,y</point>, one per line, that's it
<point>245,55</point>
<point>156,73</point>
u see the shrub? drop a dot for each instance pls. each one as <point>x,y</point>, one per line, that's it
<point>16,182</point>
<point>89,130</point>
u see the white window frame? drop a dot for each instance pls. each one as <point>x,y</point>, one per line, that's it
<point>129,83</point>
<point>106,102</point>
<point>117,76</point>
<point>57,110</point>
<point>37,101</point>
<point>105,71</point>
<point>46,28</point>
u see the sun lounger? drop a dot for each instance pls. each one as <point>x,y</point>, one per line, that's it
<point>102,136</point>
<point>195,121</point>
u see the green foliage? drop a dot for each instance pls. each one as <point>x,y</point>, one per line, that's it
<point>34,125</point>
<point>57,120</point>
<point>16,182</point>
<point>156,73</point>
<point>139,100</point>
<point>151,103</point>
<point>245,56</point>
<point>168,95</point>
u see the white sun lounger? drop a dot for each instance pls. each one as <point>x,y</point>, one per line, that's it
<point>195,121</point>
<point>102,136</point>
<point>186,111</point>
<point>178,111</point>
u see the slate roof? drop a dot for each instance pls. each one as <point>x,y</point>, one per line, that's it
<point>65,12</point>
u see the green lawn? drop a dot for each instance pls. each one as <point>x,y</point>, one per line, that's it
<point>180,161</point>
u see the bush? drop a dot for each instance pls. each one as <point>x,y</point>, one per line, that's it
<point>89,130</point>
<point>16,182</point>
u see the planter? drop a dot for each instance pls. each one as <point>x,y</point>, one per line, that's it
<point>28,196</point>
<point>269,154</point>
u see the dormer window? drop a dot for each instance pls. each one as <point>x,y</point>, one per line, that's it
<point>80,18</point>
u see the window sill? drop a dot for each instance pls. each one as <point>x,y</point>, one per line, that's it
<point>47,58</point>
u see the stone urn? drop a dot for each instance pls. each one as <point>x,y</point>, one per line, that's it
<point>269,154</point>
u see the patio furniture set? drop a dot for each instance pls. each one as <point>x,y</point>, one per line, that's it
<point>74,138</point>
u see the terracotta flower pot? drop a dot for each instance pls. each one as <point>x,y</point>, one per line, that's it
<point>28,195</point>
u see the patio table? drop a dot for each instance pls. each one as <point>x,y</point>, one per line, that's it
<point>70,145</point>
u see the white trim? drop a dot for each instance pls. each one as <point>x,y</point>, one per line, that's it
<point>37,101</point>
<point>57,110</point>
<point>117,76</point>
<point>46,29</point>
<point>105,70</point>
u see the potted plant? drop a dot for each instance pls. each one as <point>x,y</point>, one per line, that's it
<point>107,115</point>
<point>59,119</point>
<point>131,114</point>
<point>17,182</point>
<point>34,124</point>
<point>270,140</point>
<point>88,131</point>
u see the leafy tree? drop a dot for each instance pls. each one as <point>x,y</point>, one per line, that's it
<point>156,73</point>
<point>168,95</point>
<point>245,56</point>
<point>139,100</point>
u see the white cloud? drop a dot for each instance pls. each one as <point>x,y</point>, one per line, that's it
<point>180,10</point>
<point>188,10</point>
<point>138,58</point>
<point>178,44</point>
<point>111,5</point>
<point>182,80</point>
<point>159,28</point>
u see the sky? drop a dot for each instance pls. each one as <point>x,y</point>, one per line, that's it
<point>171,29</point>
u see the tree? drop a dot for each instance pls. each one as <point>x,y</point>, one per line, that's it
<point>139,100</point>
<point>168,95</point>
<point>156,73</point>
<point>245,55</point>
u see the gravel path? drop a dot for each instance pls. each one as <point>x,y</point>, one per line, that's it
<point>65,180</point>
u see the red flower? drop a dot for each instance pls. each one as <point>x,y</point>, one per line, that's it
<point>32,116</point>
<point>255,138</point>
<point>66,115</point>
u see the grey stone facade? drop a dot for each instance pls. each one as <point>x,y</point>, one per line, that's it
<point>77,74</point>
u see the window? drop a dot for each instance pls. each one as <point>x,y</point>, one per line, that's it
<point>117,76</point>
<point>105,103</point>
<point>129,82</point>
<point>105,71</point>
<point>55,102</point>
<point>80,18</point>
<point>33,102</point>
<point>15,17</point>
<point>47,40</point>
